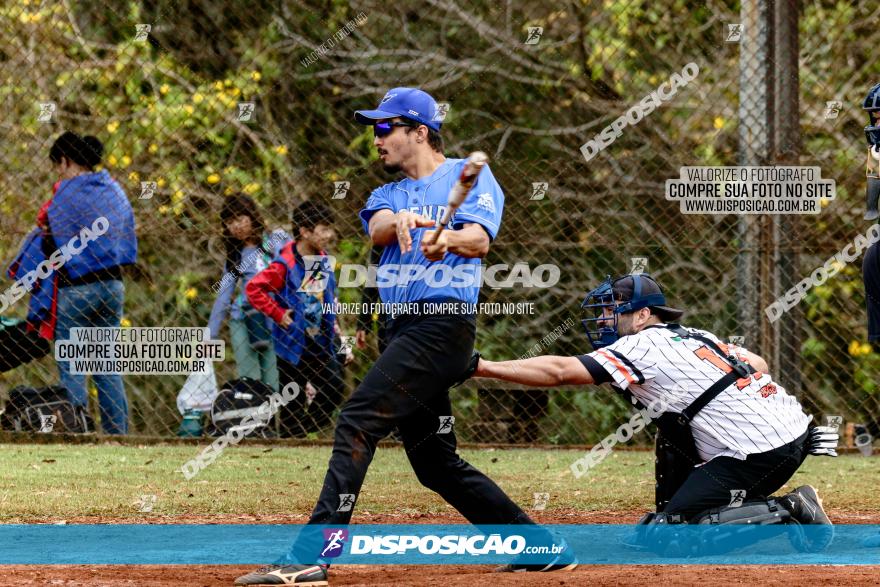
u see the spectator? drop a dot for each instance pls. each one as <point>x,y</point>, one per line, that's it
<point>90,287</point>
<point>291,292</point>
<point>249,250</point>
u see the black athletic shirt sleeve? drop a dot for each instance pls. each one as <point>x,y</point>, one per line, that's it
<point>597,372</point>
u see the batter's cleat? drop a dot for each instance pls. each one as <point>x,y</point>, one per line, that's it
<point>564,561</point>
<point>286,575</point>
<point>806,509</point>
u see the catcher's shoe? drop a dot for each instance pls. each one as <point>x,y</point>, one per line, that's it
<point>806,509</point>
<point>564,561</point>
<point>286,575</point>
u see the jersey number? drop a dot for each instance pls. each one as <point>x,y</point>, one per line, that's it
<point>707,354</point>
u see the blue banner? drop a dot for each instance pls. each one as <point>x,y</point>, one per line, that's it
<point>383,544</point>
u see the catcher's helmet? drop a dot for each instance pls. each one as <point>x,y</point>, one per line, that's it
<point>871,105</point>
<point>622,295</point>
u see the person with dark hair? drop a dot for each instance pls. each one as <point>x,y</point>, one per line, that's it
<point>294,292</point>
<point>249,249</point>
<point>90,287</point>
<point>429,348</point>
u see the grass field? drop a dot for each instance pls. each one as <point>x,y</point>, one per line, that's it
<point>103,483</point>
<point>79,482</point>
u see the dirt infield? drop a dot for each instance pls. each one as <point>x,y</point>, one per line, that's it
<point>436,576</point>
<point>440,576</point>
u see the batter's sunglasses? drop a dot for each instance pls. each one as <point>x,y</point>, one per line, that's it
<point>383,129</point>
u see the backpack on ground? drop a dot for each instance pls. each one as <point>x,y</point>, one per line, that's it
<point>43,409</point>
<point>238,400</point>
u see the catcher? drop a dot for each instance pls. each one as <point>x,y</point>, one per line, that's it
<point>729,435</point>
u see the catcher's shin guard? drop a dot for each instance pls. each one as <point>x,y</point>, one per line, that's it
<point>731,528</point>
<point>734,527</point>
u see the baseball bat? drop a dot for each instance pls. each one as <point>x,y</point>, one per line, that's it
<point>472,167</point>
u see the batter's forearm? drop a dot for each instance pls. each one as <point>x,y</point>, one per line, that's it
<point>471,241</point>
<point>383,229</point>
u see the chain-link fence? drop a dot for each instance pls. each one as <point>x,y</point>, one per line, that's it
<point>197,103</point>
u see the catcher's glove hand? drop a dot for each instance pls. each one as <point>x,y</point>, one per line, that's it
<point>471,368</point>
<point>823,441</point>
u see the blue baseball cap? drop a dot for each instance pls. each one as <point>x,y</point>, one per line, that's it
<point>411,103</point>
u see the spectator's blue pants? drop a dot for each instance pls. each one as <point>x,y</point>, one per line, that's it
<point>93,304</point>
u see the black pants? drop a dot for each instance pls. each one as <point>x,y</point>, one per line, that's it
<point>323,371</point>
<point>408,388</point>
<point>760,475</point>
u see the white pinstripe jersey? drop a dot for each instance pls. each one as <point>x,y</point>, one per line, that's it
<point>751,416</point>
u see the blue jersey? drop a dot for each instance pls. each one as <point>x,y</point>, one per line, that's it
<point>410,277</point>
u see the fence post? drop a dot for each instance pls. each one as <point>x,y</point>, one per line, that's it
<point>757,234</point>
<point>787,146</point>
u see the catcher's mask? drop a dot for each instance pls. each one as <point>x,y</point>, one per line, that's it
<point>871,105</point>
<point>622,295</point>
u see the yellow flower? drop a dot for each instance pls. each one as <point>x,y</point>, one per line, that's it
<point>112,127</point>
<point>228,191</point>
<point>256,76</point>
<point>163,209</point>
<point>191,293</point>
<point>218,86</point>
<point>251,188</point>
<point>854,348</point>
<point>188,109</point>
<point>281,149</point>
<point>164,89</point>
<point>213,178</point>
<point>152,148</point>
<point>160,182</point>
<point>719,123</point>
<point>125,323</point>
<point>111,160</point>
<point>125,161</point>
<point>227,83</point>
<point>133,176</point>
<point>177,196</point>
<point>229,170</point>
<point>177,209</point>
<point>824,202</point>
<point>197,98</point>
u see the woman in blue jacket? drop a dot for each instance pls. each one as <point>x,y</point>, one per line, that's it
<point>91,223</point>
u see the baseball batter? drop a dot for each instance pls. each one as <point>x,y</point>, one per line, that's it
<point>430,342</point>
<point>731,435</point>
